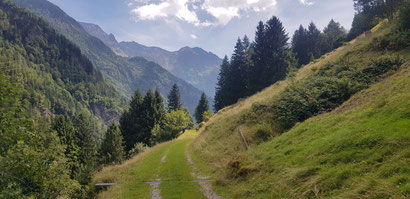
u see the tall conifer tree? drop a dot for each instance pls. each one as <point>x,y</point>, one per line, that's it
<point>201,108</point>
<point>112,149</point>
<point>174,99</point>
<point>221,91</point>
<point>130,121</point>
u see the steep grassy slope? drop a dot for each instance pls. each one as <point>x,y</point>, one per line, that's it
<point>359,150</point>
<point>124,75</point>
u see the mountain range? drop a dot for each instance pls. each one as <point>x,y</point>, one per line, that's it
<point>194,65</point>
<point>123,74</point>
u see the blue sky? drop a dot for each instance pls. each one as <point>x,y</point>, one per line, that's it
<point>213,25</point>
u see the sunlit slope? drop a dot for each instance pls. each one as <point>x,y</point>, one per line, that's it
<point>359,150</point>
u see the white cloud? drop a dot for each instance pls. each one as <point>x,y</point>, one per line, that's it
<point>220,12</point>
<point>151,11</point>
<point>306,2</point>
<point>194,36</point>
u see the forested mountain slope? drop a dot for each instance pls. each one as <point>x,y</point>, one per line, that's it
<point>124,75</point>
<point>194,65</point>
<point>338,128</point>
<point>54,107</point>
<point>56,77</point>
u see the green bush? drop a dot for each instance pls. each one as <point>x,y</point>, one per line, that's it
<point>328,88</point>
<point>263,132</point>
<point>138,148</point>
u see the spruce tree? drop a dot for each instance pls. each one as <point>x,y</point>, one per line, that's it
<point>174,99</point>
<point>130,121</point>
<point>112,149</point>
<point>67,136</point>
<point>148,119</point>
<point>201,108</point>
<point>86,142</point>
<point>333,36</point>
<point>313,35</point>
<point>300,46</point>
<point>238,87</point>
<point>159,109</point>
<point>221,90</point>
<point>271,55</point>
<point>258,57</point>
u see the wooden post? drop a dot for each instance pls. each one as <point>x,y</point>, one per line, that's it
<point>245,144</point>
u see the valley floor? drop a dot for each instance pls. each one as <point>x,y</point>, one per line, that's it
<point>164,171</point>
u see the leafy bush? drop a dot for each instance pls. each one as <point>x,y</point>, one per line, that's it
<point>138,148</point>
<point>327,88</point>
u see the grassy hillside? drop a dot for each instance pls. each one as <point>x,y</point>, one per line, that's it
<point>358,150</point>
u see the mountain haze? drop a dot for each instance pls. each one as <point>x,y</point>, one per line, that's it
<point>125,76</point>
<point>194,65</point>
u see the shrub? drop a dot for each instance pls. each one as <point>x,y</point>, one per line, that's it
<point>328,88</point>
<point>138,148</point>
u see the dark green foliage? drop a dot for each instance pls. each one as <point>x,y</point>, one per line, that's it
<point>311,44</point>
<point>332,37</point>
<point>84,133</point>
<point>130,121</point>
<point>328,88</point>
<point>201,108</point>
<point>67,135</point>
<point>144,114</point>
<point>56,76</point>
<point>399,38</point>
<point>221,91</point>
<point>369,13</point>
<point>174,99</point>
<point>254,66</point>
<point>112,149</point>
<point>270,56</point>
<point>299,46</point>
<point>32,160</point>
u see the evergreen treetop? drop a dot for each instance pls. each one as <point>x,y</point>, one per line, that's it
<point>174,99</point>
<point>201,108</point>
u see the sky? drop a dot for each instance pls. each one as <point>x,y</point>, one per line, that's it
<point>213,25</point>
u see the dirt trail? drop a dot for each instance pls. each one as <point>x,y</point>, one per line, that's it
<point>155,192</point>
<point>206,186</point>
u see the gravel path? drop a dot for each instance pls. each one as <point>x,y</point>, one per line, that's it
<point>206,186</point>
<point>155,192</point>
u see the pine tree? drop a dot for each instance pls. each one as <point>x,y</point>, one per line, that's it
<point>66,133</point>
<point>85,139</point>
<point>112,149</point>
<point>238,74</point>
<point>313,35</point>
<point>174,99</point>
<point>271,55</point>
<point>159,109</point>
<point>148,119</point>
<point>333,36</point>
<point>258,57</point>
<point>300,46</point>
<point>221,90</point>
<point>86,142</point>
<point>201,108</point>
<point>130,121</point>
